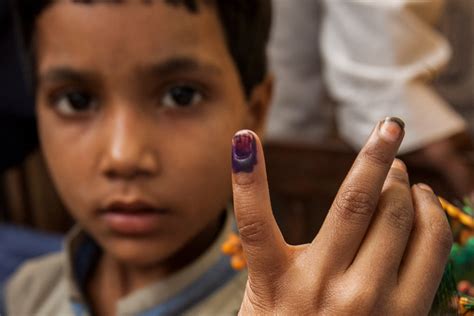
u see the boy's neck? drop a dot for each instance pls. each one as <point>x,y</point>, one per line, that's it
<point>113,280</point>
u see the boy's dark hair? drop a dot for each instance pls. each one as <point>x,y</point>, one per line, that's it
<point>246,25</point>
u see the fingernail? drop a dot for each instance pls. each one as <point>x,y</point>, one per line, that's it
<point>244,152</point>
<point>425,187</point>
<point>392,128</point>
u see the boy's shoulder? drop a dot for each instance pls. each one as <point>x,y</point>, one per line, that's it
<point>43,282</point>
<point>33,272</point>
<point>225,301</point>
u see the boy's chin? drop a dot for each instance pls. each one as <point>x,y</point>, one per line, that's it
<point>166,251</point>
<point>143,254</point>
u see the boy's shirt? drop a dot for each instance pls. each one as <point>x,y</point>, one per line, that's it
<point>52,285</point>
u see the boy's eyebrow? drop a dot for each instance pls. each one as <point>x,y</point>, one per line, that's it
<point>180,65</point>
<point>168,67</point>
<point>61,74</point>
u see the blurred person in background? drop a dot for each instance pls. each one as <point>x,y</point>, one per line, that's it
<point>376,59</point>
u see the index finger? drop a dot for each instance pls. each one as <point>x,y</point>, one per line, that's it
<point>262,241</point>
<point>350,215</point>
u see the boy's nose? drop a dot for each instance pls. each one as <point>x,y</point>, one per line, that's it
<point>128,151</point>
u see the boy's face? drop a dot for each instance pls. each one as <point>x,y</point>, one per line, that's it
<point>137,104</point>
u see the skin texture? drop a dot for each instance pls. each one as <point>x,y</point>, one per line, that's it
<point>381,250</point>
<point>130,142</point>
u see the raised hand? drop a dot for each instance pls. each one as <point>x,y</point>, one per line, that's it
<point>381,250</point>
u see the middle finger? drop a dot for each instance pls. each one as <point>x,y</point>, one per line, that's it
<point>351,213</point>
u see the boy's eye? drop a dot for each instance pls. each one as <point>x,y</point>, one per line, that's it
<point>75,102</point>
<point>181,96</point>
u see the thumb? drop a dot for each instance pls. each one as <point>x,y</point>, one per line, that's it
<point>262,241</point>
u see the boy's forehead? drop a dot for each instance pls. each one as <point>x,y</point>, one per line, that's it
<point>118,33</point>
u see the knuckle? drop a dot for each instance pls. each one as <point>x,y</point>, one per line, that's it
<point>244,185</point>
<point>252,230</point>
<point>354,203</point>
<point>399,215</point>
<point>377,155</point>
<point>357,297</point>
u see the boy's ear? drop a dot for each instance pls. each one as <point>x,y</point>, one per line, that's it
<point>259,104</point>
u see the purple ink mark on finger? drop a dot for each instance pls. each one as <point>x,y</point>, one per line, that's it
<point>244,152</point>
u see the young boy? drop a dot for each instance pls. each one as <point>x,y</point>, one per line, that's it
<point>137,102</point>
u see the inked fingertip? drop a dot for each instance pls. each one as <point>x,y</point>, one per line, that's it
<point>244,151</point>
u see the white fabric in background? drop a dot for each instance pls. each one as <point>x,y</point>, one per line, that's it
<point>378,60</point>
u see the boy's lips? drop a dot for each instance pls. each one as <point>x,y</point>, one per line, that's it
<point>132,218</point>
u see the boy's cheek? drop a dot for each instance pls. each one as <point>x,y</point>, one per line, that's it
<point>204,180</point>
